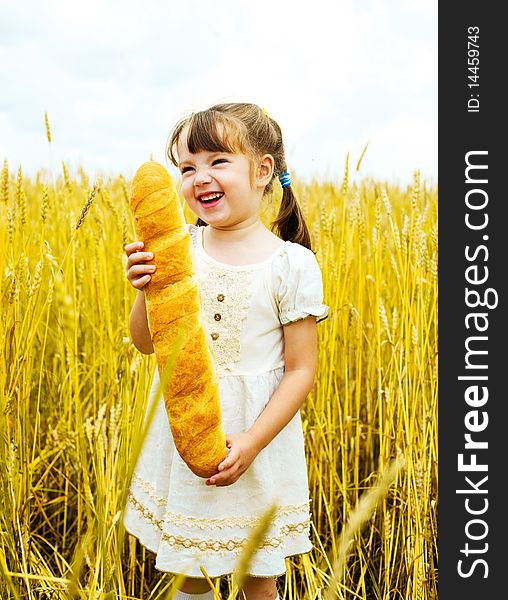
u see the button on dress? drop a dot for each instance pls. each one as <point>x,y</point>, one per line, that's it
<point>172,511</point>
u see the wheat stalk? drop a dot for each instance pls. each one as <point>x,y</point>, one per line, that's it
<point>254,542</point>
<point>88,203</point>
<point>362,513</point>
<point>48,129</point>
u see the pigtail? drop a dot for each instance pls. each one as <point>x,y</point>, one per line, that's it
<point>290,222</point>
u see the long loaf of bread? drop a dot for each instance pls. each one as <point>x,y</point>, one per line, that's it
<point>191,396</point>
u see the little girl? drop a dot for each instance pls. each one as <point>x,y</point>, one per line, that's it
<point>261,297</point>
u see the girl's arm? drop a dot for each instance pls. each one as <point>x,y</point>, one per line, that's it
<point>138,325</point>
<point>138,272</point>
<point>300,356</point>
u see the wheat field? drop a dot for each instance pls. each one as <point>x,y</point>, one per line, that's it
<point>73,391</point>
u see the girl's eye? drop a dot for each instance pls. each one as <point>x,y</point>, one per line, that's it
<point>186,170</point>
<point>218,161</point>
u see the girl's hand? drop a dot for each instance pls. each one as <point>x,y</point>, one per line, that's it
<point>137,271</point>
<point>242,451</point>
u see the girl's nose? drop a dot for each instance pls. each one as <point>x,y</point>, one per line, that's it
<point>202,177</point>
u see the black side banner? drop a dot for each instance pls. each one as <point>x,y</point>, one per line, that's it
<point>473,259</point>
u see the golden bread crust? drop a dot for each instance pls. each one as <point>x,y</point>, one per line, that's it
<point>191,396</point>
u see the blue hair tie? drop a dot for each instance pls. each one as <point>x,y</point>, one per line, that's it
<point>285,179</point>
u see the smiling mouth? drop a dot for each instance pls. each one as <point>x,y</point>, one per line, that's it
<point>210,198</point>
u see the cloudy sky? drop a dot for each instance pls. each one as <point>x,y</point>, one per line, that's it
<point>114,76</point>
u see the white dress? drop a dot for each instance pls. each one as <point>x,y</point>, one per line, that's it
<point>170,510</point>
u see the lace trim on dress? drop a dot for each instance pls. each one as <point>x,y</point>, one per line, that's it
<point>209,522</point>
<point>320,311</point>
<point>226,299</point>
<point>242,521</point>
<point>235,544</point>
<point>145,512</point>
<point>149,490</point>
<point>222,545</point>
<point>193,232</point>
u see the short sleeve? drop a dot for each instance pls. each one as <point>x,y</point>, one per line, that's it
<point>298,285</point>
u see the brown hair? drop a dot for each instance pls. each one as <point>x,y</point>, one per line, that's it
<point>245,128</point>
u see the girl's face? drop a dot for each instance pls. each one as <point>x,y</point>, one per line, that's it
<point>219,186</point>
